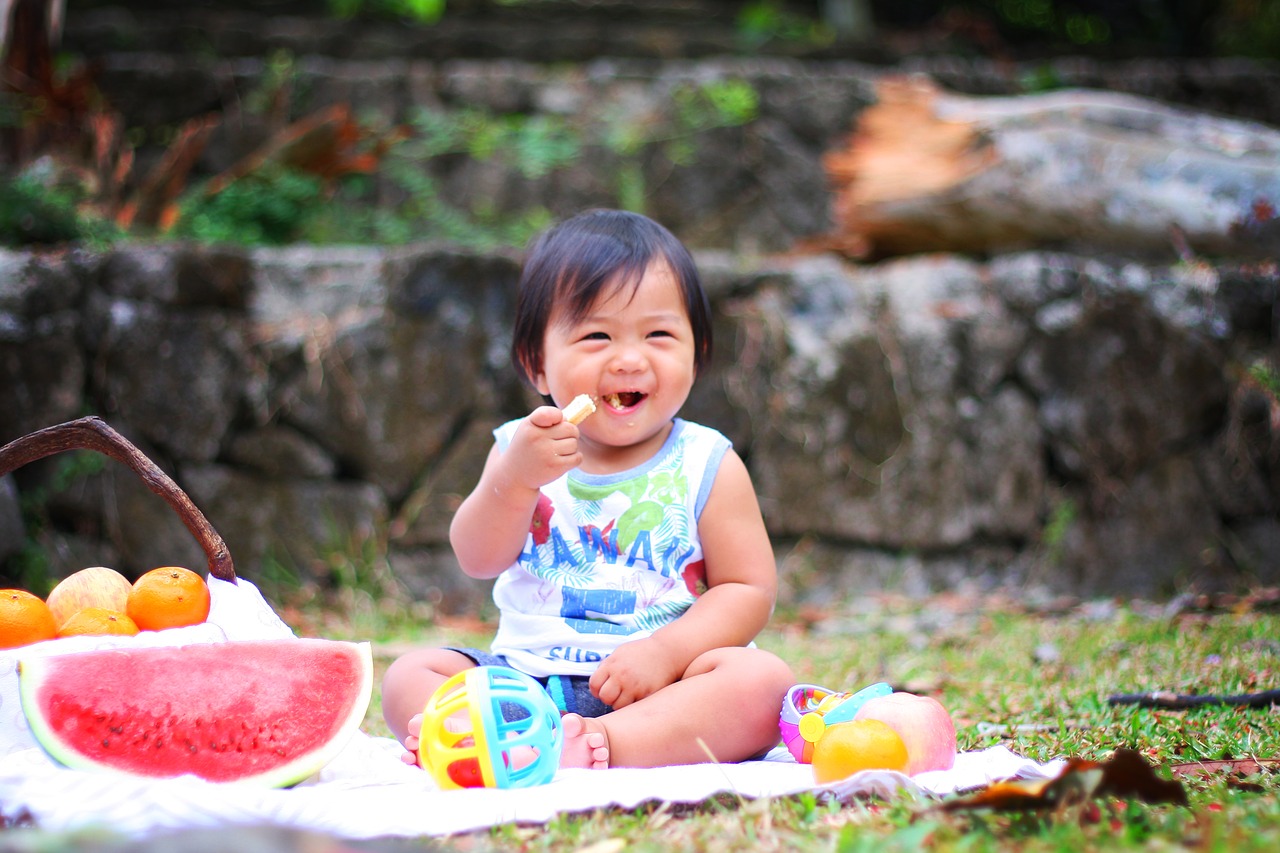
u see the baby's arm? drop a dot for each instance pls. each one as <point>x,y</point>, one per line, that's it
<point>742,586</point>
<point>492,524</point>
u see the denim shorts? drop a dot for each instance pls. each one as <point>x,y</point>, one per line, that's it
<point>571,693</point>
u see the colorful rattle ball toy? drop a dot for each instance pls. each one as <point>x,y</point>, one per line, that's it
<point>808,709</point>
<point>490,727</point>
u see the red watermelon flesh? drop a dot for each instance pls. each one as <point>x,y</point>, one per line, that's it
<point>270,712</point>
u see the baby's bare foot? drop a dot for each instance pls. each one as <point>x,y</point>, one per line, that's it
<point>411,741</point>
<point>586,743</point>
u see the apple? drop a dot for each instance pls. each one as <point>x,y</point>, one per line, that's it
<point>922,723</point>
<point>96,586</point>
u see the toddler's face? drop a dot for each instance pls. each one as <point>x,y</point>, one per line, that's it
<point>633,352</point>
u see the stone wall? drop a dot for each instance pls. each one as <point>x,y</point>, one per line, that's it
<point>1038,420</point>
<point>1058,421</point>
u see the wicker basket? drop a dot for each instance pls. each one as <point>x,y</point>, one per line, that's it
<point>92,433</point>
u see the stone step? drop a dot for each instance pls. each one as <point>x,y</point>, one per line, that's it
<point>759,187</point>
<point>546,31</point>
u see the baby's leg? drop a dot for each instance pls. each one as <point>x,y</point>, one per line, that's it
<point>407,685</point>
<point>724,709</point>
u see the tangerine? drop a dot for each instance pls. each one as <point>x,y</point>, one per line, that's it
<point>846,748</point>
<point>96,586</point>
<point>24,618</point>
<point>94,621</point>
<point>168,597</point>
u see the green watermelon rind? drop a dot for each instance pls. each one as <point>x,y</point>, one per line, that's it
<point>33,672</point>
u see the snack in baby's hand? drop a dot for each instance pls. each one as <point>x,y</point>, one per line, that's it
<point>579,408</point>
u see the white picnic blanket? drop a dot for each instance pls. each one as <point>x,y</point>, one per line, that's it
<point>368,792</point>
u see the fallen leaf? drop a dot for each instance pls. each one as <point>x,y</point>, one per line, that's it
<point>1075,783</point>
<point>1126,775</point>
<point>1233,766</point>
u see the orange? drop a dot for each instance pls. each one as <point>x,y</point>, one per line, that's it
<point>846,748</point>
<point>24,618</point>
<point>96,586</point>
<point>168,597</point>
<point>95,621</point>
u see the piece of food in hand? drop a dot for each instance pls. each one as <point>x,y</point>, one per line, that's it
<point>579,408</point>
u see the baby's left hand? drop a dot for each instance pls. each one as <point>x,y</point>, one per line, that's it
<point>635,670</point>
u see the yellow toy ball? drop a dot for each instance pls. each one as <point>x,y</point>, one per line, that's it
<point>490,727</point>
<point>846,748</point>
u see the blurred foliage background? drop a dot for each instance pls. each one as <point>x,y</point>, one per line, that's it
<point>50,108</point>
<point>1016,27</point>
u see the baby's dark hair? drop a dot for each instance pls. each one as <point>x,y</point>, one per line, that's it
<point>594,254</point>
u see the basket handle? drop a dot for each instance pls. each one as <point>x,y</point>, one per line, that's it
<point>93,433</point>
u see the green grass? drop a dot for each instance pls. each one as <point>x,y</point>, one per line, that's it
<point>1001,669</point>
<point>1036,681</point>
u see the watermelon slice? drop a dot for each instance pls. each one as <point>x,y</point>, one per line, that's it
<point>270,712</point>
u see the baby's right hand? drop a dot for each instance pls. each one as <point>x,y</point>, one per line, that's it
<point>544,447</point>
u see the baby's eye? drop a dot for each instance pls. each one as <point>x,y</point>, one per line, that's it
<point>595,336</point>
<point>660,333</point>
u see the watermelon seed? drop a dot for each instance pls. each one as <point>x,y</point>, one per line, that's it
<point>106,743</point>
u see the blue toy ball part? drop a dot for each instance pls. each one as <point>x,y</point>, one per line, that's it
<point>507,710</point>
<point>844,712</point>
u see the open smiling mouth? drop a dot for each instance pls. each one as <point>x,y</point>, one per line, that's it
<point>623,399</point>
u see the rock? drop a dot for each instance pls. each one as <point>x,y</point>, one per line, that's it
<point>1105,382</point>
<point>177,377</point>
<point>42,365</point>
<point>301,526</point>
<point>1040,422</point>
<point>432,575</point>
<point>281,453</point>
<point>13,533</point>
<point>1150,535</point>
<point>385,388</point>
<point>870,443</point>
<point>180,275</point>
<point>424,517</point>
<point>42,372</point>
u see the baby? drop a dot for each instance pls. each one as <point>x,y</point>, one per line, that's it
<point>633,569</point>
